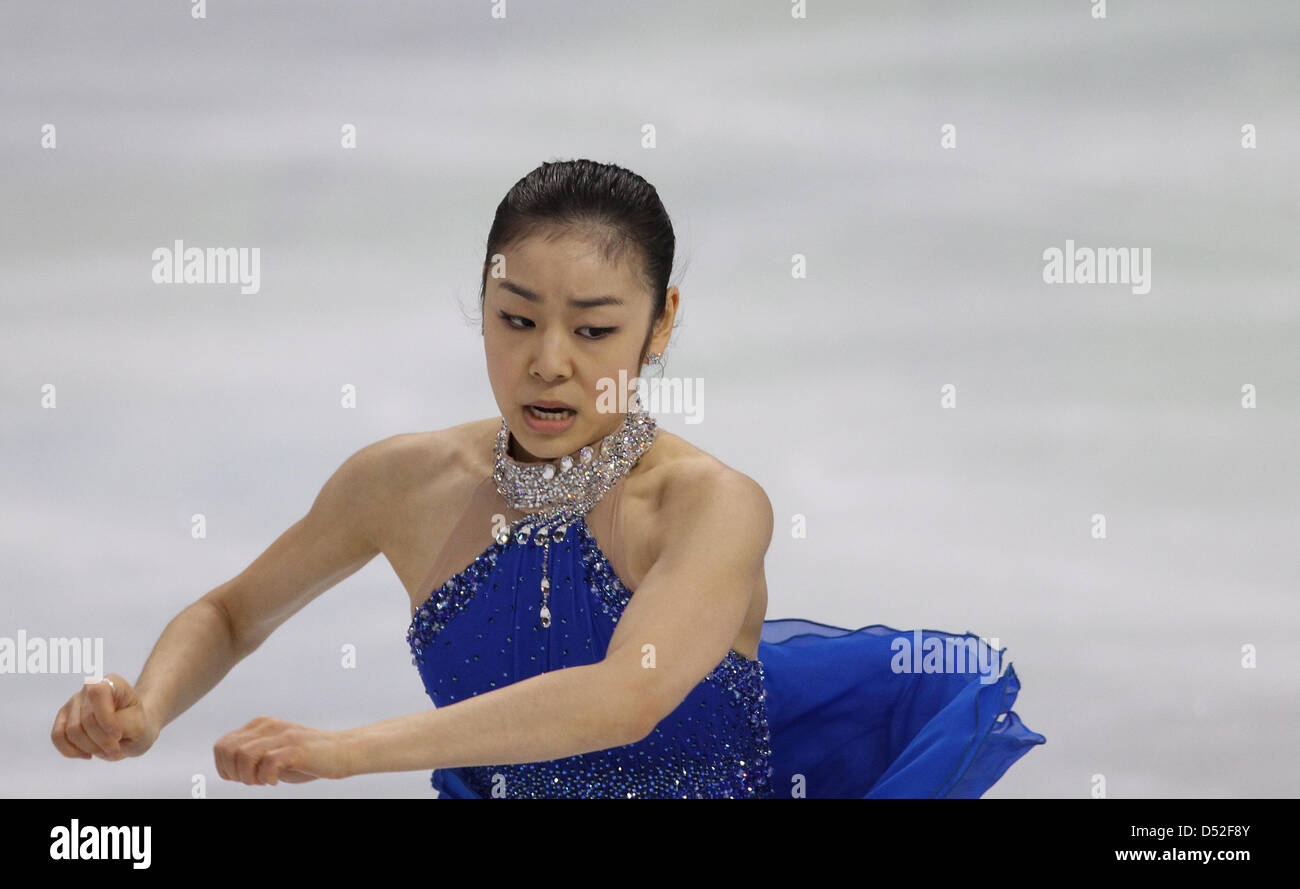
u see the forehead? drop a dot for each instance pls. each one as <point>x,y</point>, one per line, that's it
<point>566,266</point>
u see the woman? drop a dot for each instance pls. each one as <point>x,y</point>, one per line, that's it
<point>520,539</point>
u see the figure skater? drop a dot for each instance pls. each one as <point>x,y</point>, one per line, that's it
<point>587,593</point>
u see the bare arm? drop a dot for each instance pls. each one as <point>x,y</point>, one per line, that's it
<point>195,652</point>
<point>202,643</point>
<point>329,544</point>
<point>548,716</point>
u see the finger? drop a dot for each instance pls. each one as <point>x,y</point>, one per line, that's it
<point>95,732</point>
<point>293,776</point>
<point>132,722</point>
<point>273,763</point>
<point>246,759</point>
<point>105,710</point>
<point>90,724</point>
<point>221,755</point>
<point>77,732</point>
<point>227,748</point>
<point>59,735</point>
<point>234,749</point>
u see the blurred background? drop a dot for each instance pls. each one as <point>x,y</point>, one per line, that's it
<point>774,136</point>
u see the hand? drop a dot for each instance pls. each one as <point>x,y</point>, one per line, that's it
<point>268,751</point>
<point>104,720</point>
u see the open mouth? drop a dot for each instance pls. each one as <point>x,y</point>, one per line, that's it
<point>549,414</point>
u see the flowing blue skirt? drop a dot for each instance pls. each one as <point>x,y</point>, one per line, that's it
<point>879,713</point>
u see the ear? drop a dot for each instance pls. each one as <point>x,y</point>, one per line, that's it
<point>663,328</point>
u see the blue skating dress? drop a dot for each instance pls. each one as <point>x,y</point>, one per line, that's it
<point>824,712</point>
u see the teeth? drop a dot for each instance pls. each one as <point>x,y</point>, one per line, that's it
<point>549,414</point>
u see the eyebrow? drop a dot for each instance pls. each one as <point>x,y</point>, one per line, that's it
<point>590,303</point>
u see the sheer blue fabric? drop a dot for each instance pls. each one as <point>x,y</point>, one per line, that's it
<point>824,712</point>
<point>880,713</point>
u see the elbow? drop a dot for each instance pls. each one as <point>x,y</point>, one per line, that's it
<point>648,708</point>
<point>639,723</point>
<point>640,714</point>
<point>227,623</point>
<point>646,699</point>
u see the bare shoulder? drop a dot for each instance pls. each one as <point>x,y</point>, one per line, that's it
<point>683,470</point>
<point>418,464</point>
<point>419,456</point>
<point>692,487</point>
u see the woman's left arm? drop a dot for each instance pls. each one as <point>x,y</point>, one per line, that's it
<point>548,716</point>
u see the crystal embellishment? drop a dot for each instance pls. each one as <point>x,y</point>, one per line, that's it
<point>569,493</point>
<point>578,484</point>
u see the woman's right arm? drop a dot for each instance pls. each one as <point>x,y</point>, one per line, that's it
<point>336,538</point>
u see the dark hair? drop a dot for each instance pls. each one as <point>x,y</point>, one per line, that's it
<point>615,207</point>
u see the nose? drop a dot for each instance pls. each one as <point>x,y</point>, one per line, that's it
<point>552,360</point>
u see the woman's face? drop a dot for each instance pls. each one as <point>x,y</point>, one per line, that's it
<point>542,347</point>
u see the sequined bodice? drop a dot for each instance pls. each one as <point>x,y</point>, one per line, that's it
<point>481,630</point>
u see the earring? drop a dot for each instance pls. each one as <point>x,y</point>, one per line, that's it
<point>656,359</point>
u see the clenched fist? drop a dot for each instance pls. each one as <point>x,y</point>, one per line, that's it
<point>105,719</point>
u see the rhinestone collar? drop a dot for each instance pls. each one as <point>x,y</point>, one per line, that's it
<point>573,484</point>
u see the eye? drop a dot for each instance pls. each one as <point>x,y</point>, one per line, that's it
<point>597,333</point>
<point>509,319</point>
